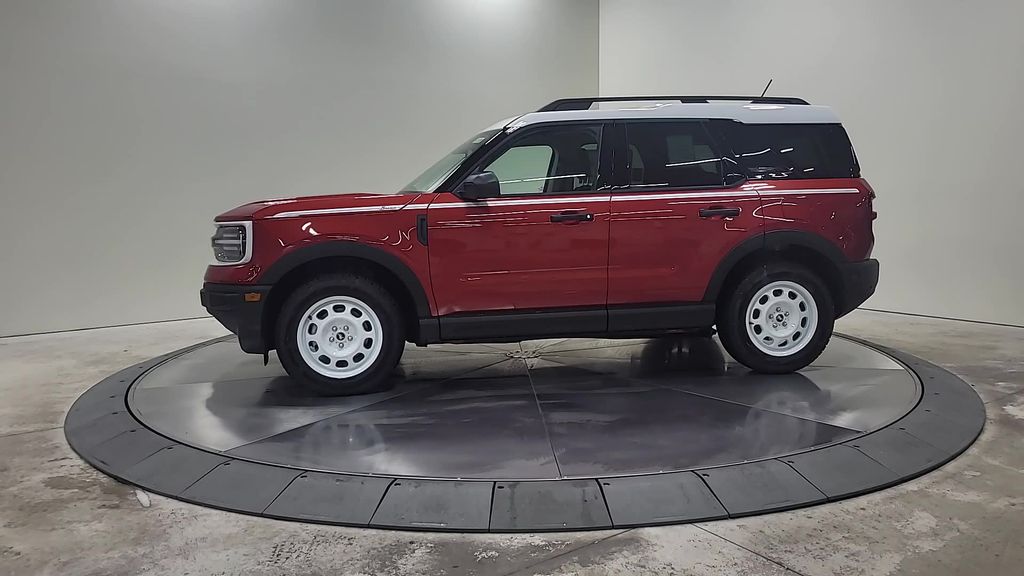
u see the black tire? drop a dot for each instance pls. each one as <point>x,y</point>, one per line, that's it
<point>732,320</point>
<point>373,379</point>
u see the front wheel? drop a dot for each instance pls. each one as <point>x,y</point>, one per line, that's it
<point>340,334</point>
<point>777,319</point>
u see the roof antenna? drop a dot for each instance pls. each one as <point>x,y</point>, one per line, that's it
<point>766,87</point>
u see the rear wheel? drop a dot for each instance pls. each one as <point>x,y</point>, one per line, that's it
<point>777,319</point>
<point>340,334</point>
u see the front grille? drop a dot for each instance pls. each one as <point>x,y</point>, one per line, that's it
<point>229,243</point>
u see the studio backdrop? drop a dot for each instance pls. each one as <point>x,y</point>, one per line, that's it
<point>127,125</point>
<point>929,91</point>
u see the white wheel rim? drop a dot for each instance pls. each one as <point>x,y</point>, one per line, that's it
<point>781,318</point>
<point>339,337</point>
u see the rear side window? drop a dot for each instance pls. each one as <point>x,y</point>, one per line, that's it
<point>787,151</point>
<point>671,155</point>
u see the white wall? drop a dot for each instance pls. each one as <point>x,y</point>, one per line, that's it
<point>125,126</point>
<point>930,92</point>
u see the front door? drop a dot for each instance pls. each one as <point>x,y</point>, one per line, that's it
<point>541,246</point>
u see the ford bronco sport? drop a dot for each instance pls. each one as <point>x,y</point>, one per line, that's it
<point>659,215</point>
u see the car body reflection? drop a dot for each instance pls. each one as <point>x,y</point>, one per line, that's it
<point>538,410</point>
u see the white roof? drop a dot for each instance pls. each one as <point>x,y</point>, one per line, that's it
<point>747,113</point>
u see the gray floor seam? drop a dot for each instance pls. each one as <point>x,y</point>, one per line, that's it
<point>1003,397</point>
<point>734,402</point>
<point>708,486</point>
<point>868,456</point>
<point>128,325</point>
<point>286,486</point>
<point>490,507</point>
<point>559,360</point>
<point>499,350</point>
<point>706,397</point>
<point>414,389</point>
<point>604,500</point>
<point>381,501</point>
<point>932,444</point>
<point>205,474</point>
<point>24,432</point>
<point>754,552</point>
<point>543,421</point>
<point>949,318</point>
<point>806,479</point>
<point>555,343</point>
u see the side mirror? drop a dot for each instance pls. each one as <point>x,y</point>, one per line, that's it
<point>481,186</point>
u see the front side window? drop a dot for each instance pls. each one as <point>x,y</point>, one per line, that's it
<point>552,160</point>
<point>523,169</point>
<point>671,155</point>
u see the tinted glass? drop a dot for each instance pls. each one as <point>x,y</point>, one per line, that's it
<point>557,159</point>
<point>523,169</point>
<point>671,155</point>
<point>432,177</point>
<point>777,151</point>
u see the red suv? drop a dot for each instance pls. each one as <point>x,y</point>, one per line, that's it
<point>658,215</point>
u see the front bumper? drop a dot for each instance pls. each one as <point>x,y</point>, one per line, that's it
<point>859,281</point>
<point>240,310</point>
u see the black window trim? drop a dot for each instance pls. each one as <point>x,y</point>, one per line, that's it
<point>622,152</point>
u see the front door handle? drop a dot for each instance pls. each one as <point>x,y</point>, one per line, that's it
<point>570,216</point>
<point>718,211</point>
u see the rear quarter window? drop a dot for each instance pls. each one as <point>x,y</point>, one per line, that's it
<point>791,151</point>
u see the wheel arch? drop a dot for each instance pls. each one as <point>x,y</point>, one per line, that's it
<point>812,251</point>
<point>291,270</point>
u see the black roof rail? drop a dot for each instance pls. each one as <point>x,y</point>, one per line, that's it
<point>586,103</point>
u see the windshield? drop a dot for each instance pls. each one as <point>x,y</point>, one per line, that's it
<point>432,177</point>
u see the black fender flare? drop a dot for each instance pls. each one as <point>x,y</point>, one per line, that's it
<point>774,241</point>
<point>345,248</point>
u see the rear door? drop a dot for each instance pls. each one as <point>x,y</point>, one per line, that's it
<point>542,245</point>
<point>680,208</point>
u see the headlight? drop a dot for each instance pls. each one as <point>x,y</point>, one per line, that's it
<point>232,243</point>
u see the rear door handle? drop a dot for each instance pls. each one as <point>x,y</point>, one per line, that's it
<point>718,211</point>
<point>570,216</point>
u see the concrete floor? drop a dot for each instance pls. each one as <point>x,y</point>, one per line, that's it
<point>59,516</point>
